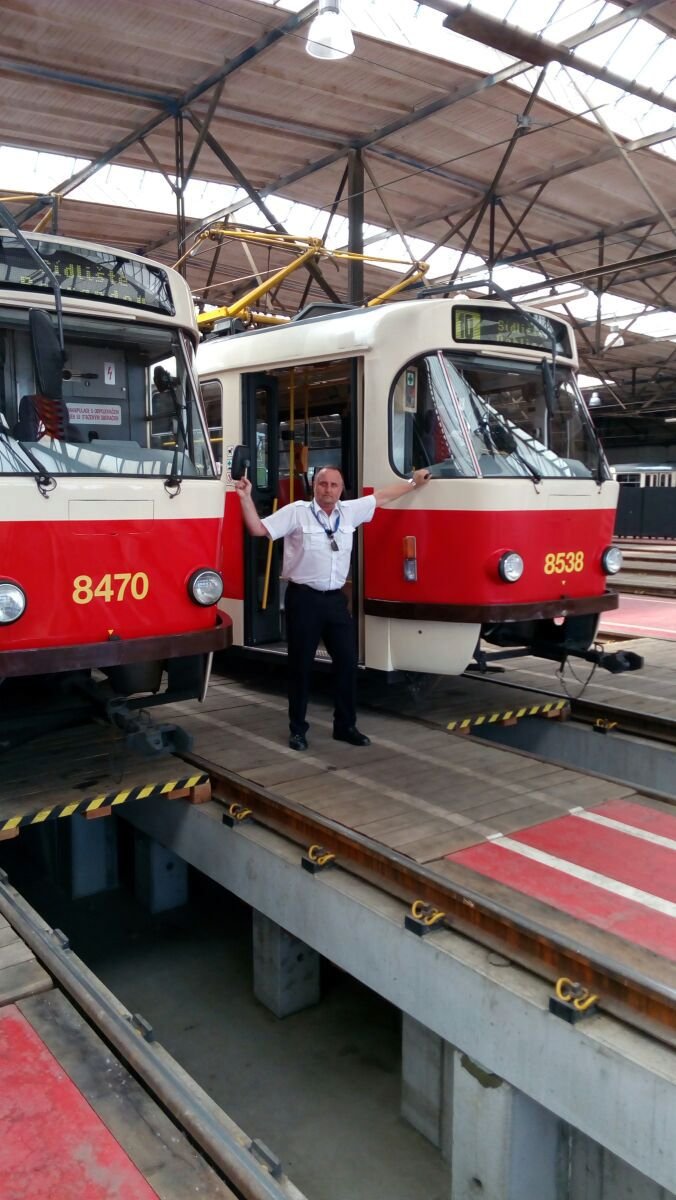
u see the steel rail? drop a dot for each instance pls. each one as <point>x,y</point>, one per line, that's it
<point>212,1130</point>
<point>624,720</point>
<point>622,990</point>
<point>647,725</point>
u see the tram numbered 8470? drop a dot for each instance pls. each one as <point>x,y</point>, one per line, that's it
<point>111,506</point>
<point>509,547</point>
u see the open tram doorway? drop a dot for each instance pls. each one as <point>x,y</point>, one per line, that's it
<point>295,421</point>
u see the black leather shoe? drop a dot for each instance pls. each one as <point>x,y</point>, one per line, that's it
<point>297,741</point>
<point>353,736</point>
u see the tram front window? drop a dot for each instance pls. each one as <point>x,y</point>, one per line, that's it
<point>129,404</point>
<point>461,416</point>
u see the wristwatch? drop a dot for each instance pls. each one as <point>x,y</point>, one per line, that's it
<point>412,482</point>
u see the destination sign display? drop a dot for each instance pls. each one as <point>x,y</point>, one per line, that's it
<point>87,272</point>
<point>493,325</point>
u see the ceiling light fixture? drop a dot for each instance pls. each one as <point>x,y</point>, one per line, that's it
<point>614,338</point>
<point>594,400</point>
<point>330,35</point>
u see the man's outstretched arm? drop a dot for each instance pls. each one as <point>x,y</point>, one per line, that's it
<point>395,490</point>
<point>251,518</point>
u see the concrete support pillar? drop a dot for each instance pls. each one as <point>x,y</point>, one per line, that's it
<point>93,856</point>
<point>504,1145</point>
<point>286,971</point>
<point>426,1082</point>
<point>596,1172</point>
<point>160,877</point>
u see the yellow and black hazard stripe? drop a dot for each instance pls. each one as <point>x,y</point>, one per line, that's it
<point>93,803</point>
<point>552,708</point>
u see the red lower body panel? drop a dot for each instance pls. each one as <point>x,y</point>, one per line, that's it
<point>458,554</point>
<point>89,581</point>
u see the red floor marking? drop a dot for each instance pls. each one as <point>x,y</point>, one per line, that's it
<point>650,819</point>
<point>645,616</point>
<point>625,918</point>
<point>608,852</point>
<point>53,1145</point>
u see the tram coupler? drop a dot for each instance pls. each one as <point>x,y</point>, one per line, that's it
<point>616,662</point>
<point>144,738</point>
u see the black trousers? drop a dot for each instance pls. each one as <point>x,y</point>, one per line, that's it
<point>311,616</point>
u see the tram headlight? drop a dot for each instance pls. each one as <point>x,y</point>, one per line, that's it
<point>12,602</point>
<point>510,567</point>
<point>611,560</point>
<point>205,587</point>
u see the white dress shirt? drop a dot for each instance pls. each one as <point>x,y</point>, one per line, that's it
<point>308,557</point>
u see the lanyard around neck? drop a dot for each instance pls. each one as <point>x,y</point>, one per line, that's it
<point>330,533</point>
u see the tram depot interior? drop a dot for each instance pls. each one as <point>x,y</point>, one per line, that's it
<point>379,236</point>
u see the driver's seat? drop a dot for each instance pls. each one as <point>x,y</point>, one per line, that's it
<point>40,416</point>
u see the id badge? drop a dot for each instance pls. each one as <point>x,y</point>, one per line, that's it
<point>333,544</point>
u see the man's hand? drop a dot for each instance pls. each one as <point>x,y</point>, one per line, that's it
<point>421,477</point>
<point>252,520</point>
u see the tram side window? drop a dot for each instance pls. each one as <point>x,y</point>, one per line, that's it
<point>425,426</point>
<point>212,399</point>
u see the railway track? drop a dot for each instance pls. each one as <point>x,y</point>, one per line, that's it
<point>627,990</point>
<point>649,567</point>
<point>607,716</point>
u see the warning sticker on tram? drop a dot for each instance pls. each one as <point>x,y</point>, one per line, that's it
<point>94,414</point>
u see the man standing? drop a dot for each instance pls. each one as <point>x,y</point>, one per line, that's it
<point>317,549</point>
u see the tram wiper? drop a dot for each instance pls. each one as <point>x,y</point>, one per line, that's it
<point>500,439</point>
<point>164,382</point>
<point>45,483</point>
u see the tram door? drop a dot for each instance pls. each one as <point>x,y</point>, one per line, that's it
<point>296,420</point>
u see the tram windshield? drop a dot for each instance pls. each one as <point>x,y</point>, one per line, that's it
<point>462,415</point>
<point>129,405</point>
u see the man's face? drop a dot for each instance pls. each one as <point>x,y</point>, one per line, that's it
<point>328,488</point>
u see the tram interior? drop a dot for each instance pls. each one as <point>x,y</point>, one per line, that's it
<point>112,418</point>
<point>302,420</point>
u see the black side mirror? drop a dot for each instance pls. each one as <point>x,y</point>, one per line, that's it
<point>502,437</point>
<point>550,386</point>
<point>47,355</point>
<point>241,460</point>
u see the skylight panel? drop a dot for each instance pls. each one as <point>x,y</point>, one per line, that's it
<point>625,50</point>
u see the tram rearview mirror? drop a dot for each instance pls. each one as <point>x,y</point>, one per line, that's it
<point>241,459</point>
<point>549,386</point>
<point>47,354</point>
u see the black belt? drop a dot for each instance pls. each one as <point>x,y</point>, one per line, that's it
<point>317,591</point>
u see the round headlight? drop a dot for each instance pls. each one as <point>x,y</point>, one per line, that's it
<point>611,560</point>
<point>12,603</point>
<point>510,567</point>
<point>205,587</point>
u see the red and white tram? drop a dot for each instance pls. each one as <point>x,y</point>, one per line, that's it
<point>510,543</point>
<point>111,505</point>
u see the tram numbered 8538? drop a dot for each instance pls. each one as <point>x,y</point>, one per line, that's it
<point>111,505</point>
<point>510,545</point>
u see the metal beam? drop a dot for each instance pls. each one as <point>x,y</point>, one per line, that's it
<point>263,43</point>
<point>75,79</point>
<point>495,182</point>
<point>538,51</point>
<point>355,214</point>
<point>563,50</point>
<point>257,199</point>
